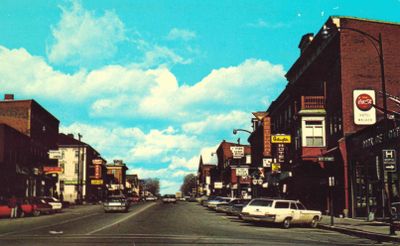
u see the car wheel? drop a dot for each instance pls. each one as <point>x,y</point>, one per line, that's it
<point>314,222</point>
<point>286,223</point>
<point>36,213</point>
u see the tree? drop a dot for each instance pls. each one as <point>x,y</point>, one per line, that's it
<point>152,186</point>
<point>189,182</point>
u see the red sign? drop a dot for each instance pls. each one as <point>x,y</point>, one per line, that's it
<point>267,136</point>
<point>364,102</point>
<point>97,171</point>
<point>52,170</point>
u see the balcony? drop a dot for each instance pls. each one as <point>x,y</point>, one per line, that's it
<point>312,102</point>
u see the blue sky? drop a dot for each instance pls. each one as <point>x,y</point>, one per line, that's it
<point>157,83</point>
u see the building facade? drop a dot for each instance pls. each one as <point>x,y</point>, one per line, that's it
<point>83,171</point>
<point>41,128</point>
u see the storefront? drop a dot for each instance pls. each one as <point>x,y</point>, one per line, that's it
<point>369,169</point>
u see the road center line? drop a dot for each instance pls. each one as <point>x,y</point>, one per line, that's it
<point>121,220</point>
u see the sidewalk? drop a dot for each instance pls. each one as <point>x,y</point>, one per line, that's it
<point>374,230</point>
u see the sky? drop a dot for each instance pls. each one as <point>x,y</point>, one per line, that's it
<point>159,83</point>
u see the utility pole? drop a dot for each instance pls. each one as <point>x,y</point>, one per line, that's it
<point>80,171</point>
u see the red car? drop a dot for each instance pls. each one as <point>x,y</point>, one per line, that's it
<point>41,207</point>
<point>5,211</point>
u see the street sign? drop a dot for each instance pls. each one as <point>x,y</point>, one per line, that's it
<point>217,185</point>
<point>326,158</point>
<point>278,138</point>
<point>267,162</point>
<point>240,171</point>
<point>237,152</point>
<point>276,167</point>
<point>55,154</point>
<point>389,160</point>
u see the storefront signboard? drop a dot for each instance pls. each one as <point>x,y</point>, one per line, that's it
<point>237,152</point>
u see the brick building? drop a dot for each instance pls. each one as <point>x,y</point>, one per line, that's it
<point>41,127</point>
<point>317,106</point>
<point>227,167</point>
<point>117,176</point>
<point>205,178</point>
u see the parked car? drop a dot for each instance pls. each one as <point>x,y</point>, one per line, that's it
<point>54,202</point>
<point>42,207</point>
<point>151,198</point>
<point>169,199</point>
<point>285,212</point>
<point>116,203</point>
<point>218,201</point>
<point>5,210</point>
<point>225,207</point>
<point>192,199</point>
<point>237,208</point>
<point>207,200</point>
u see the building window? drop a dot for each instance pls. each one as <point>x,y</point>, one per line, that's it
<point>76,167</point>
<point>313,132</point>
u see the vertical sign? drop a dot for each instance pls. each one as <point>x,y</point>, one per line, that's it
<point>267,135</point>
<point>281,153</point>
<point>364,112</point>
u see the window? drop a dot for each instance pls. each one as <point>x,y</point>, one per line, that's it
<point>301,206</point>
<point>282,205</point>
<point>76,167</point>
<point>263,203</point>
<point>313,132</point>
<point>293,206</point>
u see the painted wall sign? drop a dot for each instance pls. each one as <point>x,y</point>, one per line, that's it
<point>364,112</point>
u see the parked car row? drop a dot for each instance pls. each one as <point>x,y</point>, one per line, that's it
<point>269,210</point>
<point>32,206</point>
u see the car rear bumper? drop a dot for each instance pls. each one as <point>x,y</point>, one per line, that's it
<point>115,208</point>
<point>249,217</point>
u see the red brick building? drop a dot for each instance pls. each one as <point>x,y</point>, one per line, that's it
<point>41,127</point>
<point>205,178</point>
<point>317,107</point>
<point>227,167</point>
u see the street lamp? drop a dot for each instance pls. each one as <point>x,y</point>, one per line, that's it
<point>377,44</point>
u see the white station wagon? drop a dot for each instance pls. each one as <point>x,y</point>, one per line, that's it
<point>286,212</point>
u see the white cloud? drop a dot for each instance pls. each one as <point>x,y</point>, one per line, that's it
<point>215,123</point>
<point>183,34</point>
<point>161,144</point>
<point>83,39</point>
<point>260,23</point>
<point>224,89</point>
<point>134,91</point>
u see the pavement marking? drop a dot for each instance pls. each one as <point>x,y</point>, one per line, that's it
<point>121,220</point>
<point>46,226</point>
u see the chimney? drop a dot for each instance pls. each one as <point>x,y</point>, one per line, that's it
<point>70,135</point>
<point>8,97</point>
<point>305,41</point>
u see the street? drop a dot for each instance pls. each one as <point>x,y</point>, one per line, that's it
<point>154,223</point>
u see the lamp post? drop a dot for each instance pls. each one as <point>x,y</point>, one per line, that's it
<point>377,44</point>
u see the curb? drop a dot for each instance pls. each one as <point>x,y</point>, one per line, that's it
<point>362,234</point>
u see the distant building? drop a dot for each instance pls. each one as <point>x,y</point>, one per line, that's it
<point>117,175</point>
<point>232,172</point>
<point>83,171</point>
<point>132,184</point>
<point>205,178</point>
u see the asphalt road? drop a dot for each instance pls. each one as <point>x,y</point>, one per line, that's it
<point>154,223</point>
